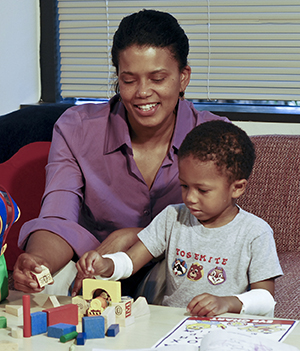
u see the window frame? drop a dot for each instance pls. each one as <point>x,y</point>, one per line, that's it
<point>50,86</point>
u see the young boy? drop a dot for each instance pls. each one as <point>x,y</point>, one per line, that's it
<point>215,251</point>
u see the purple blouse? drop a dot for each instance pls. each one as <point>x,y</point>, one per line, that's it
<point>93,185</point>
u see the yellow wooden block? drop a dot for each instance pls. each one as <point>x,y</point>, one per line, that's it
<point>82,305</point>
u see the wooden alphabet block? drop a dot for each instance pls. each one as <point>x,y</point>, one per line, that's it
<point>123,307</point>
<point>44,278</point>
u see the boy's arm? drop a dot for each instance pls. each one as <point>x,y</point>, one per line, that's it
<point>139,255</point>
<point>268,284</point>
<point>258,302</point>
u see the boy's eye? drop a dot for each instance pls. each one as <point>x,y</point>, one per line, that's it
<point>183,186</point>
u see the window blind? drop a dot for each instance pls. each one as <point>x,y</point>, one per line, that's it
<point>243,50</point>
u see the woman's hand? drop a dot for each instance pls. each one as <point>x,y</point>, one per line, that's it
<point>211,305</point>
<point>23,279</point>
<point>43,248</point>
<point>119,240</point>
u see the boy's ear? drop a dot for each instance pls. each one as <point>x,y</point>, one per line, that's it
<point>239,187</point>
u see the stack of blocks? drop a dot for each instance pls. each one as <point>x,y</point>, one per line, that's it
<point>58,321</point>
<point>61,321</point>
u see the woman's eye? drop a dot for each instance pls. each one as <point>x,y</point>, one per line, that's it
<point>202,191</point>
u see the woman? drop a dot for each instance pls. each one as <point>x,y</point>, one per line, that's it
<point>114,165</point>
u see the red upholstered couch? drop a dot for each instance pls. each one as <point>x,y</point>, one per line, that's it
<point>274,194</point>
<point>23,176</point>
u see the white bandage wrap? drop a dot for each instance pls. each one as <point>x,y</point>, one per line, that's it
<point>258,302</point>
<point>123,266</point>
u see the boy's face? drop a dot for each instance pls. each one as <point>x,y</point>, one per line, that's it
<point>206,192</point>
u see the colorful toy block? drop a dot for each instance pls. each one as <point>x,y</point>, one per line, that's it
<point>94,327</point>
<point>113,330</point>
<point>26,316</point>
<point>51,302</point>
<point>17,332</point>
<point>44,278</point>
<point>38,323</point>
<point>81,337</point>
<point>57,330</point>
<point>125,322</point>
<point>82,305</point>
<point>109,316</point>
<point>123,307</point>
<point>62,314</point>
<point>113,289</point>
<point>68,337</point>
<point>15,310</point>
<point>3,322</point>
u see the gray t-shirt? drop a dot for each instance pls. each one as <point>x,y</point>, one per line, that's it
<point>221,261</point>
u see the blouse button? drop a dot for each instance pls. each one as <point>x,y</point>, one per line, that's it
<point>146,213</point>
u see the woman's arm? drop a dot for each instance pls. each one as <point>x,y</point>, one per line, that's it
<point>43,248</point>
<point>119,240</point>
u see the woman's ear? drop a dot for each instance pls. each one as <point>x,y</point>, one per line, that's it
<point>238,188</point>
<point>185,76</point>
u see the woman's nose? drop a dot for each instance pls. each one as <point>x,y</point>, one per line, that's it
<point>143,90</point>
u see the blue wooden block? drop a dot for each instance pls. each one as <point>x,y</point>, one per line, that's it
<point>38,323</point>
<point>57,330</point>
<point>94,327</point>
<point>81,337</point>
<point>113,330</point>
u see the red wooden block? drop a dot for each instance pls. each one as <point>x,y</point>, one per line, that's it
<point>62,314</point>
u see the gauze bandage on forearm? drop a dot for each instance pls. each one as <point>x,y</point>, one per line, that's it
<point>123,266</point>
<point>257,301</point>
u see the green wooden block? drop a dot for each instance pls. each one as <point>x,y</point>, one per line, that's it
<point>3,322</point>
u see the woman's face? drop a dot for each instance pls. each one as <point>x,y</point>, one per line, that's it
<point>150,83</point>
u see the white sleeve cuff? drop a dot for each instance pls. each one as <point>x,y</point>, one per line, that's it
<point>258,302</point>
<point>123,266</point>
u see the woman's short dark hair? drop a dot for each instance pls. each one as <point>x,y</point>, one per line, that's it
<point>151,28</point>
<point>224,143</point>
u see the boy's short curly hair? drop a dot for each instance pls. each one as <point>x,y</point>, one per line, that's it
<point>227,145</point>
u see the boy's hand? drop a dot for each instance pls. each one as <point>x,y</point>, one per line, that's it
<point>90,264</point>
<point>211,305</point>
<point>23,279</point>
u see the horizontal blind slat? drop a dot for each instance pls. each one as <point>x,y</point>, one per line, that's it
<point>249,50</point>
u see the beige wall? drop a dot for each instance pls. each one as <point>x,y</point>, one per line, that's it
<point>19,54</point>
